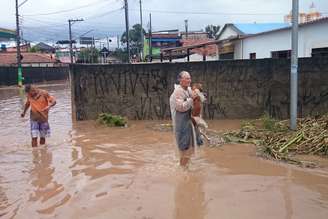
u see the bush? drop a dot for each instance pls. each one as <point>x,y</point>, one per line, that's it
<point>111,120</point>
<point>272,124</point>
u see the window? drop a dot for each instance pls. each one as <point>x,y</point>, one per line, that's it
<point>282,54</point>
<point>320,52</point>
<point>229,55</point>
<point>252,55</point>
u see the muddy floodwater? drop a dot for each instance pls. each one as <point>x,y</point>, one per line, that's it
<point>90,171</point>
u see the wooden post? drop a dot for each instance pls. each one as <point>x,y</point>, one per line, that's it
<point>188,53</point>
<point>204,53</point>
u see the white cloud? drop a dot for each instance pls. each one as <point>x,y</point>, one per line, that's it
<point>55,26</point>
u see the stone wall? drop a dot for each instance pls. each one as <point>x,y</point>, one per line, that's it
<point>236,89</point>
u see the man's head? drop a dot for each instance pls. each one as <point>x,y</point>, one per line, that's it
<point>184,79</point>
<point>30,90</point>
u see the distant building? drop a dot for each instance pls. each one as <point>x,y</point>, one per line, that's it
<point>63,52</point>
<point>208,52</point>
<point>6,34</point>
<point>273,42</point>
<point>45,48</point>
<point>302,18</point>
<point>232,32</point>
<point>7,39</point>
<point>23,48</point>
<point>161,40</point>
<point>63,55</point>
<point>305,17</point>
<point>194,35</point>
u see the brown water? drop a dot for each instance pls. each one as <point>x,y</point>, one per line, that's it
<point>90,171</point>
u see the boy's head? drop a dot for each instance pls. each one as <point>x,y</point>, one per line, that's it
<point>30,89</point>
<point>198,86</point>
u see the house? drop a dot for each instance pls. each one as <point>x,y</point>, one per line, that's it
<point>194,35</point>
<point>223,48</point>
<point>275,43</point>
<point>45,48</point>
<point>6,34</point>
<point>8,41</point>
<point>23,48</point>
<point>29,59</point>
<point>232,32</point>
<point>161,40</point>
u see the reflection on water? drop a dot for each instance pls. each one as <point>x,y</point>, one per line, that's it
<point>45,187</point>
<point>91,171</point>
<point>189,196</point>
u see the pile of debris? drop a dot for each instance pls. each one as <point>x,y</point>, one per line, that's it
<point>276,140</point>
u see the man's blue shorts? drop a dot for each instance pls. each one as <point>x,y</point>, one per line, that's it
<point>40,129</point>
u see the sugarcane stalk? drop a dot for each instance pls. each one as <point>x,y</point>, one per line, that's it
<point>290,143</point>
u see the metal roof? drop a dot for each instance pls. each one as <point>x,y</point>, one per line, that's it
<point>7,34</point>
<point>255,28</point>
<point>164,40</point>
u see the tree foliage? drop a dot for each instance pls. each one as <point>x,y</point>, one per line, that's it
<point>212,31</point>
<point>134,38</point>
<point>88,55</point>
<point>121,54</point>
<point>34,49</point>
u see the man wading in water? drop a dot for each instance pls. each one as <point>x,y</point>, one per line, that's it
<point>40,102</point>
<point>181,102</point>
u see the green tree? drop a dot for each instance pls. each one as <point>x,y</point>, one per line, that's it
<point>212,31</point>
<point>134,39</point>
<point>34,49</point>
<point>121,54</point>
<point>88,55</point>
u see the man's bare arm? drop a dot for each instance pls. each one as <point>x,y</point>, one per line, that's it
<point>51,102</point>
<point>26,106</point>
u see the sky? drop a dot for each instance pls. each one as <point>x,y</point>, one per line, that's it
<point>47,20</point>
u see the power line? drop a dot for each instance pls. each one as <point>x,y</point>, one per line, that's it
<point>104,14</point>
<point>51,27</point>
<point>51,23</point>
<point>67,10</point>
<point>210,13</point>
<point>48,22</point>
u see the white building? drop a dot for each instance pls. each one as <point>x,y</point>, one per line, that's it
<point>274,42</point>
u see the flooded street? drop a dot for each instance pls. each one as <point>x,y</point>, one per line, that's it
<point>90,171</point>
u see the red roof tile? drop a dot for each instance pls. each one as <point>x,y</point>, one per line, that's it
<point>209,50</point>
<point>9,58</point>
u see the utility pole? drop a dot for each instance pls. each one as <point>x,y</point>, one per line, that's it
<point>294,67</point>
<point>127,29</point>
<point>70,23</point>
<point>150,57</point>
<point>141,32</point>
<point>18,54</point>
<point>118,41</point>
<point>186,27</point>
<point>93,47</point>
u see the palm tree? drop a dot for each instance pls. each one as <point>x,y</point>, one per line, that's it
<point>212,30</point>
